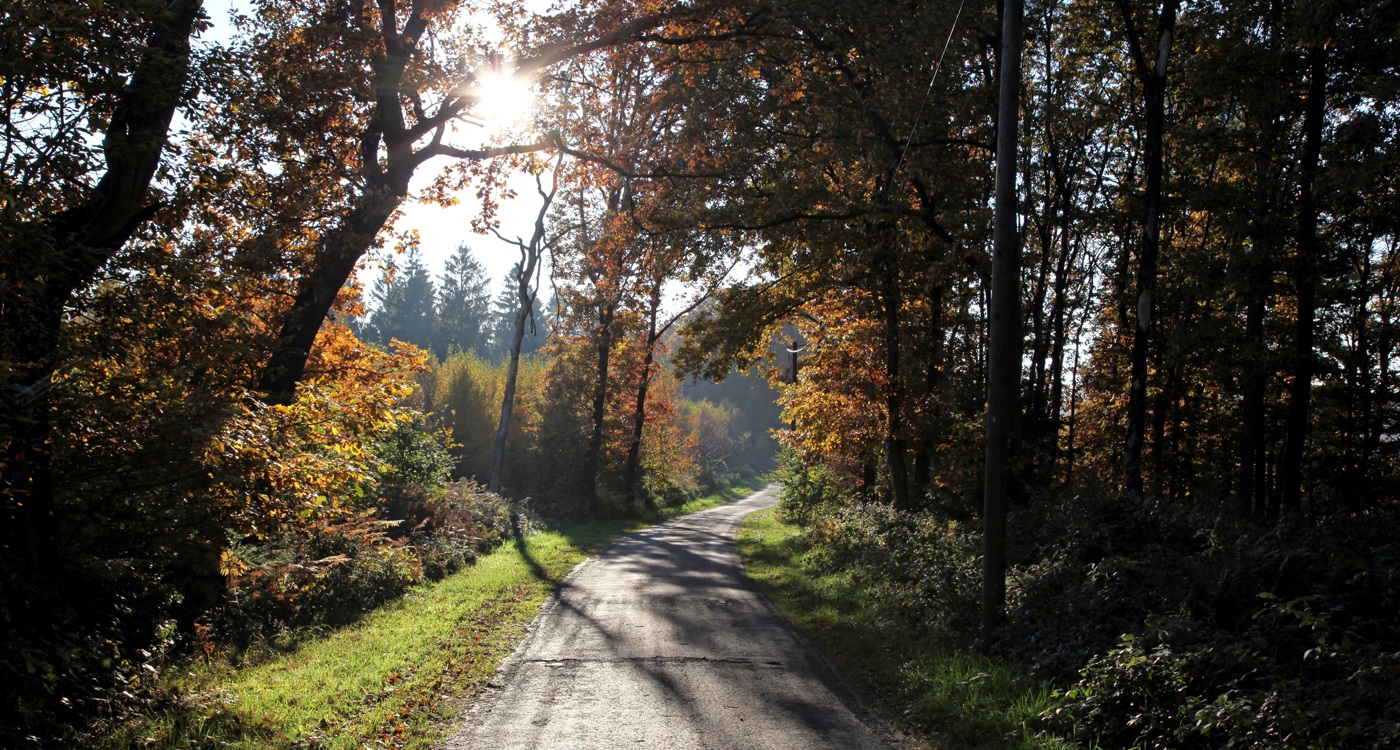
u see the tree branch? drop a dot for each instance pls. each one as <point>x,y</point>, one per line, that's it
<point>478,154</point>
<point>612,166</point>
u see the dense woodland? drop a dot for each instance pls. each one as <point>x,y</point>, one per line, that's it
<point>211,432</point>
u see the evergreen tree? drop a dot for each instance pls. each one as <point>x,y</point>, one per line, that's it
<point>403,303</point>
<point>463,305</point>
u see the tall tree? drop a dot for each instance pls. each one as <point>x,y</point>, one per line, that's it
<point>462,318</point>
<point>56,241</point>
<point>1306,270</point>
<point>1152,77</point>
<point>1268,114</point>
<point>526,290</point>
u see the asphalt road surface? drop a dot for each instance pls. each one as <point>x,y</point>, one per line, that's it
<point>661,642</point>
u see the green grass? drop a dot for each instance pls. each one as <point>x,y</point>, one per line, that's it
<point>742,488</point>
<point>943,699</point>
<point>393,679</point>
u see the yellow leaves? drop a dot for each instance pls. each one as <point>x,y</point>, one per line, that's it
<point>838,403</point>
<point>293,463</point>
<point>231,565</point>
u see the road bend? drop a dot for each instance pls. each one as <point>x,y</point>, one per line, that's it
<point>661,642</point>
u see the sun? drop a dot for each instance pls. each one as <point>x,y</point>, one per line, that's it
<point>505,101</point>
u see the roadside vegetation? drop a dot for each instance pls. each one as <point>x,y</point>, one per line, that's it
<point>1127,626</point>
<point>929,691</point>
<point>393,678</point>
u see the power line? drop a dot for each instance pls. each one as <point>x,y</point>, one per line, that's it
<point>928,91</point>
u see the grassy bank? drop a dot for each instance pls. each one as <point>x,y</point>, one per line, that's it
<point>393,679</point>
<point>946,700</point>
<point>742,488</point>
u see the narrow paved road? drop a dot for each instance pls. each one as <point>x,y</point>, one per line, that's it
<point>661,642</point>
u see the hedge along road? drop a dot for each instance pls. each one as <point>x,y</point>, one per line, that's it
<point>660,641</point>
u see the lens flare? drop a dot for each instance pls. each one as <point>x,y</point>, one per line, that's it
<point>505,101</point>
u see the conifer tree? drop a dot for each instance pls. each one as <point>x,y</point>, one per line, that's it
<point>403,301</point>
<point>462,319</point>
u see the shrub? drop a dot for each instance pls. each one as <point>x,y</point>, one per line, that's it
<point>413,454</point>
<point>927,565</point>
<point>1166,626</point>
<point>1292,681</point>
<point>809,489</point>
<point>329,572</point>
<point>1233,634</point>
<point>1086,570</point>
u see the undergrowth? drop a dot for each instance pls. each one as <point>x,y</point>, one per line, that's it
<point>1159,625</point>
<point>393,678</point>
<point>947,698</point>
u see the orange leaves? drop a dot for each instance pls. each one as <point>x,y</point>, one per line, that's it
<point>283,464</point>
<point>670,447</point>
<point>837,403</point>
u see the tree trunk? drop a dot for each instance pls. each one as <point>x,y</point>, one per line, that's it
<point>1162,450</point>
<point>1253,489</point>
<point>1305,277</point>
<point>337,255</point>
<point>639,412</point>
<point>526,297</point>
<point>933,370</point>
<point>593,457</point>
<point>1366,383</point>
<point>1039,391</point>
<point>1004,336</point>
<point>1073,413</point>
<point>529,263</point>
<point>892,300</point>
<point>1154,85</point>
<point>49,263</point>
<point>1059,336</point>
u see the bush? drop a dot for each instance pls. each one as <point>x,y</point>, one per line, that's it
<point>325,574</point>
<point>1167,627</point>
<point>809,489</point>
<point>1086,570</point>
<point>1291,681</point>
<point>927,565</point>
<point>329,572</point>
<point>1230,634</point>
<point>413,454</point>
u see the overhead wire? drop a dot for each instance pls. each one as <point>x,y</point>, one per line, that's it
<point>918,117</point>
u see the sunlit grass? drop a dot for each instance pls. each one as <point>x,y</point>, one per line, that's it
<point>946,699</point>
<point>393,679</point>
<point>743,488</point>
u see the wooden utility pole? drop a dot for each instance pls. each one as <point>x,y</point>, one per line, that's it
<point>1004,329</point>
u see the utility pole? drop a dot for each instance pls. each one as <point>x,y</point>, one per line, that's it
<point>1004,334</point>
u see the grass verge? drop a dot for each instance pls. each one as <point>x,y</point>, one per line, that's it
<point>939,698</point>
<point>393,679</point>
<point>742,488</point>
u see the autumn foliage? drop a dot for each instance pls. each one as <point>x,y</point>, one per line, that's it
<point>207,436</point>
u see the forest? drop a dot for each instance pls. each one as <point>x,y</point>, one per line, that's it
<point>1081,318</point>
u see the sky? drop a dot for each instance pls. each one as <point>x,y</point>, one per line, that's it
<point>440,229</point>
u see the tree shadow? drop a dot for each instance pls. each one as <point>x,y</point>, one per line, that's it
<point>517,537</point>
